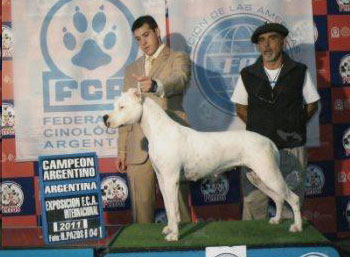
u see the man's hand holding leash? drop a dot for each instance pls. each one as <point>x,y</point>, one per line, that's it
<point>145,82</point>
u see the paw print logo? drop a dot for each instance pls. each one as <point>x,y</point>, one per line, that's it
<point>83,41</point>
<point>91,55</point>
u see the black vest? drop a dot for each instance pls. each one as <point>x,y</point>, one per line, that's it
<point>277,113</point>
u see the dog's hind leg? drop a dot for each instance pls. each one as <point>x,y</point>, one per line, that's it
<point>277,185</point>
<point>294,201</point>
<point>278,200</point>
<point>272,177</point>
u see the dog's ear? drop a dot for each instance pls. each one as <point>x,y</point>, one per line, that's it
<point>115,105</point>
<point>135,93</point>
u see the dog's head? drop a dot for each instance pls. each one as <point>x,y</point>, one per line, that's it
<point>127,110</point>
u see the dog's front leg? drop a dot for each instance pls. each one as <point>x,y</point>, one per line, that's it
<point>171,190</point>
<point>166,229</point>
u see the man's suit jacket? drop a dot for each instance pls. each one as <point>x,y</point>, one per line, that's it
<point>173,70</point>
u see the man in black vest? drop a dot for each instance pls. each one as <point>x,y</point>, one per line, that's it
<point>276,98</point>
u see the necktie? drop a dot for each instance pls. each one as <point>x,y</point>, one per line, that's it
<point>148,64</point>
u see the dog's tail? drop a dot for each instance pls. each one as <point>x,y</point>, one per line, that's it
<point>276,152</point>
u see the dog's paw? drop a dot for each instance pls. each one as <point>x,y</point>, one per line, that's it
<point>166,230</point>
<point>172,237</point>
<point>295,228</point>
<point>275,220</point>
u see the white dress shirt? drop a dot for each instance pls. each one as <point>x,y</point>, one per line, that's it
<point>310,94</point>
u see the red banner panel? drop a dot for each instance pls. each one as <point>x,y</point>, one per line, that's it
<point>338,32</point>
<point>341,105</point>
<point>6,10</point>
<point>319,7</point>
<point>19,221</point>
<point>342,178</point>
<point>217,212</point>
<point>107,165</point>
<point>120,217</point>
<point>321,211</point>
<point>322,69</point>
<point>11,168</point>
<point>7,80</point>
<point>325,151</point>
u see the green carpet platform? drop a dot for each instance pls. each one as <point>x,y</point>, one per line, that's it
<point>258,236</point>
<point>136,240</point>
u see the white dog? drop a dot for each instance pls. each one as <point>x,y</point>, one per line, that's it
<point>174,148</point>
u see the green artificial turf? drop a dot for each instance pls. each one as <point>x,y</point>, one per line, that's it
<point>229,233</point>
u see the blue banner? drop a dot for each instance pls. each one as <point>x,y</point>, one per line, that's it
<point>50,252</point>
<point>71,197</point>
<point>264,252</point>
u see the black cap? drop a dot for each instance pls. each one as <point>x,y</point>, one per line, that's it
<point>269,27</point>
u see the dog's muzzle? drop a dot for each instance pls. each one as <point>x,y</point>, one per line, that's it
<point>105,120</point>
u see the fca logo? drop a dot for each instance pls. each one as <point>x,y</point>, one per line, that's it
<point>88,60</point>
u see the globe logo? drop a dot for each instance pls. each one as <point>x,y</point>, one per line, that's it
<point>220,54</point>
<point>226,255</point>
<point>314,254</point>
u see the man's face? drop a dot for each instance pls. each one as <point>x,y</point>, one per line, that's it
<point>148,39</point>
<point>270,45</point>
